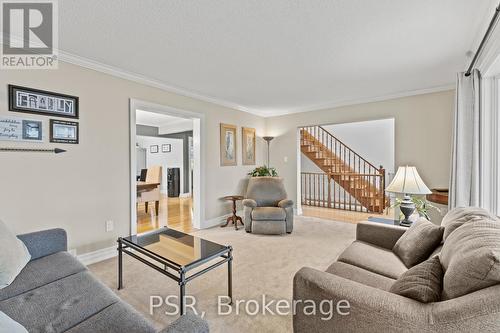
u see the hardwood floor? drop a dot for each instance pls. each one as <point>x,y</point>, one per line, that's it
<point>341,215</point>
<point>176,213</point>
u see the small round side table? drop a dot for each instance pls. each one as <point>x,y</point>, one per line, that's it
<point>234,218</point>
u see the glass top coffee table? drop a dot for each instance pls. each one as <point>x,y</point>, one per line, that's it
<point>174,254</point>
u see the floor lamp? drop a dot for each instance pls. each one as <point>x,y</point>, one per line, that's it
<point>268,140</point>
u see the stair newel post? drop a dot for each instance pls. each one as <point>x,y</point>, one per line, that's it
<point>382,188</point>
<point>329,190</point>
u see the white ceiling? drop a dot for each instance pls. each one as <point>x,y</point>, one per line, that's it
<point>163,121</point>
<point>279,56</point>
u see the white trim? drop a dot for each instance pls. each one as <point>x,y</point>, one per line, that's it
<point>298,176</point>
<point>90,258</point>
<point>361,100</point>
<point>217,221</point>
<point>138,78</point>
<point>185,195</point>
<point>198,151</point>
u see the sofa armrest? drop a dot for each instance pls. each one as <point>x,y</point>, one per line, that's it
<point>44,243</point>
<point>285,203</point>
<point>379,234</point>
<point>369,309</point>
<point>188,323</point>
<point>249,203</point>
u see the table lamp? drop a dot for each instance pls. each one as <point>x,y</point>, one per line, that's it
<point>407,181</point>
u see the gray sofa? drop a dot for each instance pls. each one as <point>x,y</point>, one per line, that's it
<point>363,275</point>
<point>266,207</point>
<point>56,293</point>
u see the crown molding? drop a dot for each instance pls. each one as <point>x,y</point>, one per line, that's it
<point>364,100</point>
<point>138,78</point>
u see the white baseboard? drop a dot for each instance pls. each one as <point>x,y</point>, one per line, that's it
<point>219,220</point>
<point>96,256</point>
<point>185,195</point>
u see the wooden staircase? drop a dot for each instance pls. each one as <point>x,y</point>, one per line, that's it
<point>348,181</point>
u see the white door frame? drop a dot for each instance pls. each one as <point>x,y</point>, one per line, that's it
<point>198,152</point>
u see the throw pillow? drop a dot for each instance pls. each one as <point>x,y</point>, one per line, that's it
<point>458,216</point>
<point>422,282</point>
<point>13,256</point>
<point>8,324</point>
<point>418,242</point>
<point>471,258</point>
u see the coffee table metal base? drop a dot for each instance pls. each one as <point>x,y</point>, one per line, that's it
<point>182,278</point>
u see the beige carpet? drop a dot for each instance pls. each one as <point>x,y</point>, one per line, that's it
<point>262,265</point>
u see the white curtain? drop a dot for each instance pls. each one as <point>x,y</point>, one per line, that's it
<point>465,181</point>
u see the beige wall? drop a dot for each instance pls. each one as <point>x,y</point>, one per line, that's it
<point>423,134</point>
<point>81,189</point>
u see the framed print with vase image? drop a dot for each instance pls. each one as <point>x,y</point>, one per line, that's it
<point>153,149</point>
<point>227,145</point>
<point>42,102</point>
<point>248,145</point>
<point>64,131</point>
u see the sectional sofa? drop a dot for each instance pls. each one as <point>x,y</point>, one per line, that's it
<point>56,293</point>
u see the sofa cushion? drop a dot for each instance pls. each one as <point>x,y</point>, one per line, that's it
<point>268,214</point>
<point>60,305</point>
<point>13,256</point>
<point>422,282</point>
<point>458,216</point>
<point>360,275</point>
<point>471,258</point>
<point>116,318</point>
<point>418,242</point>
<point>39,272</point>
<point>374,259</point>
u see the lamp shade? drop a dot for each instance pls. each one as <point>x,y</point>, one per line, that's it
<point>408,181</point>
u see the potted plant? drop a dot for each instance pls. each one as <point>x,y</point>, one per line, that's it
<point>422,206</point>
<point>263,171</point>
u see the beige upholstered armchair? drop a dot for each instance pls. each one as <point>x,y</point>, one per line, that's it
<point>267,210</point>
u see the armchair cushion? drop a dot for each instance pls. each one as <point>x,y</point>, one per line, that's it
<point>249,203</point>
<point>285,203</point>
<point>266,191</point>
<point>418,242</point>
<point>268,214</point>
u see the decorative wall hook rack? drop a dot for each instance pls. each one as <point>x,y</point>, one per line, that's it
<point>32,150</point>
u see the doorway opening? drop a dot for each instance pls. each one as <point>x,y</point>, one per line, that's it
<point>165,164</point>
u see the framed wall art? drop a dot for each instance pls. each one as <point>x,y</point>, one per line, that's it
<point>166,148</point>
<point>227,145</point>
<point>64,131</point>
<point>153,149</point>
<point>19,129</point>
<point>248,145</point>
<point>41,102</point>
